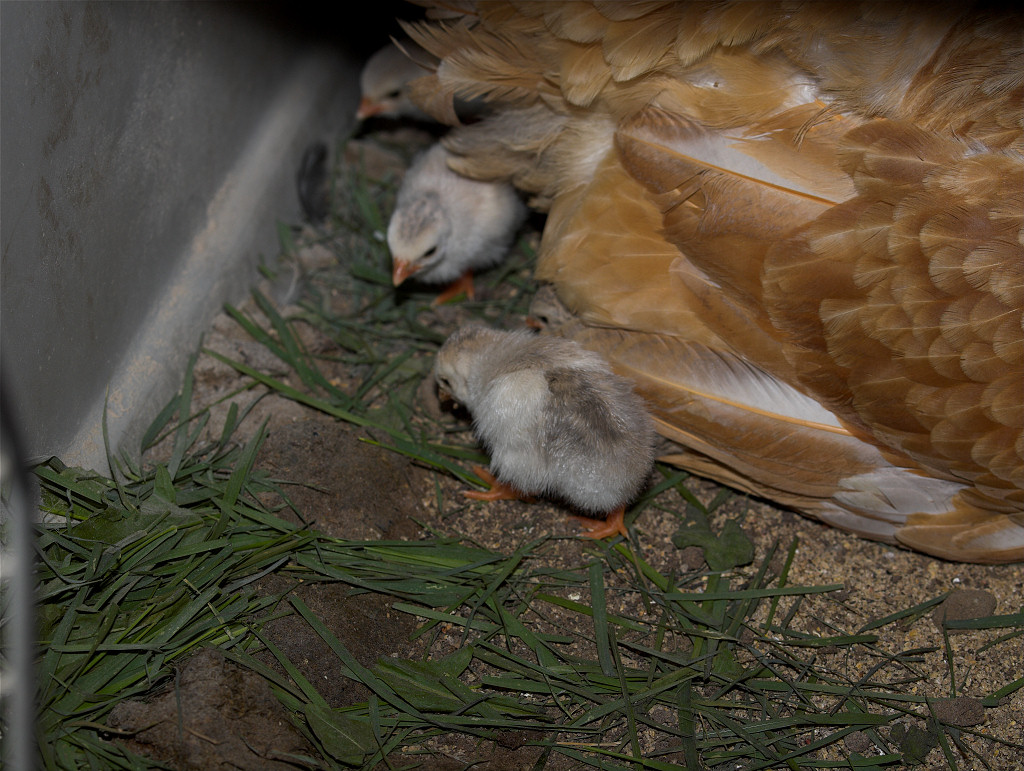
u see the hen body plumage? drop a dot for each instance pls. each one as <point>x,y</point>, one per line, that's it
<point>796,227</point>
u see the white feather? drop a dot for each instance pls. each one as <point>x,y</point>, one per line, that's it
<point>892,493</point>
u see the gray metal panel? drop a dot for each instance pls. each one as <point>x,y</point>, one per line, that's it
<point>147,150</point>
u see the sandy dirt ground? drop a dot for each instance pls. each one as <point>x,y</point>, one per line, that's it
<point>217,715</point>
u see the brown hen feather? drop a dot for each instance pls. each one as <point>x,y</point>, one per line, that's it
<point>797,227</point>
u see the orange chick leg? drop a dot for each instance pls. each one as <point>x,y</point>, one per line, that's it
<point>499,490</point>
<point>462,285</point>
<point>598,528</point>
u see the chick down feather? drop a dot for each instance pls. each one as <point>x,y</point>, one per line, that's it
<point>555,418</point>
<point>445,225</point>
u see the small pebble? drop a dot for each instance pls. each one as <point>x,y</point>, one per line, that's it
<point>692,557</point>
<point>964,604</point>
<point>858,742</point>
<point>961,711</point>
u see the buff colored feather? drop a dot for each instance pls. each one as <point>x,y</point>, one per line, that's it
<point>796,227</point>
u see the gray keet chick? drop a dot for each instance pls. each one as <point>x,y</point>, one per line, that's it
<point>445,225</point>
<point>555,418</point>
<point>385,77</point>
<point>387,82</point>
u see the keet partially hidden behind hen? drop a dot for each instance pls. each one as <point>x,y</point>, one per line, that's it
<point>555,419</point>
<point>385,78</point>
<point>446,226</point>
<point>389,79</point>
<point>797,227</point>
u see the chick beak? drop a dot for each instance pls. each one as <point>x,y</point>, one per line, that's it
<point>534,323</point>
<point>402,270</point>
<point>367,108</point>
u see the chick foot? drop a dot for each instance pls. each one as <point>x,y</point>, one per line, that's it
<point>463,284</point>
<point>499,490</point>
<point>603,528</point>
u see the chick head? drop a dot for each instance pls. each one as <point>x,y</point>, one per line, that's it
<point>457,366</point>
<point>384,81</point>
<point>417,237</point>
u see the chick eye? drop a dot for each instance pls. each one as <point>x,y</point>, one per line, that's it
<point>430,252</point>
<point>393,94</point>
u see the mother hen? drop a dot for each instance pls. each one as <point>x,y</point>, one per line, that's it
<point>796,227</point>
